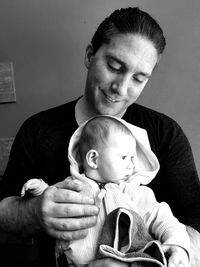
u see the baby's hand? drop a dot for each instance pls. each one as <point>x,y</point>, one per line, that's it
<point>176,256</point>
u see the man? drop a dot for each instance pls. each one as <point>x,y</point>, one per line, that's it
<point>120,59</point>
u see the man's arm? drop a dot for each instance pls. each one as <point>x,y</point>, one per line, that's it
<point>56,212</point>
<point>19,216</point>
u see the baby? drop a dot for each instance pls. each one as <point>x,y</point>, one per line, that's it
<point>114,160</point>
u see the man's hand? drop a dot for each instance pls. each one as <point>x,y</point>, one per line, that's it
<point>65,213</point>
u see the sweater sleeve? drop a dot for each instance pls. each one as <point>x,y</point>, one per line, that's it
<point>21,163</point>
<point>166,228</point>
<point>177,182</point>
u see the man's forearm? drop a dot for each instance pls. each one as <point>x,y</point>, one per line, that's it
<point>19,216</point>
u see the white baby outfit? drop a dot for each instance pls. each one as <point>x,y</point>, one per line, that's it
<point>132,194</point>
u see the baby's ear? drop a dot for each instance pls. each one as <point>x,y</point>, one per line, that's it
<point>92,158</point>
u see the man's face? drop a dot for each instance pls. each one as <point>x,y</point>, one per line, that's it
<point>117,73</point>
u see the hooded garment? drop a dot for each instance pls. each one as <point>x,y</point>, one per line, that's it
<point>145,160</point>
<point>128,197</point>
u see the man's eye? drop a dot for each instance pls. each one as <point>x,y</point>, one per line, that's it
<point>140,78</point>
<point>114,66</point>
<point>137,80</point>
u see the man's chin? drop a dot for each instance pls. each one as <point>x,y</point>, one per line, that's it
<point>114,109</point>
<point>113,113</point>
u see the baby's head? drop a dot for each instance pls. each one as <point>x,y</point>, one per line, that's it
<point>107,149</point>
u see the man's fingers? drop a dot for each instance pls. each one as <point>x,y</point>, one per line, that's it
<point>73,224</point>
<point>71,228</point>
<point>64,210</point>
<point>69,235</point>
<point>60,195</point>
<point>70,183</point>
<point>67,213</point>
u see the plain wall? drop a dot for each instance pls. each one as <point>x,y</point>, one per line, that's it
<point>46,41</point>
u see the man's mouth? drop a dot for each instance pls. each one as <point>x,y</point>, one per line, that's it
<point>111,99</point>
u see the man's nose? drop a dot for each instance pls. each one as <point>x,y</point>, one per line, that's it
<point>121,85</point>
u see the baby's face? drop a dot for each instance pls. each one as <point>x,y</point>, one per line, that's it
<point>116,160</point>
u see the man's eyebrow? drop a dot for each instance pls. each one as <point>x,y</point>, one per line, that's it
<point>118,60</point>
<point>147,75</point>
<point>114,58</point>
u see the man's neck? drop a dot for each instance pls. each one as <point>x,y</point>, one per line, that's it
<point>84,113</point>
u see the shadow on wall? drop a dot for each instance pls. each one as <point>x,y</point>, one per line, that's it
<point>5,147</point>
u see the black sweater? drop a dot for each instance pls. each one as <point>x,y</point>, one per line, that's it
<point>40,150</point>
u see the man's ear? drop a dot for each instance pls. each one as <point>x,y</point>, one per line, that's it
<point>92,158</point>
<point>88,55</point>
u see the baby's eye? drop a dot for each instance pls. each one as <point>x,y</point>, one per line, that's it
<point>124,157</point>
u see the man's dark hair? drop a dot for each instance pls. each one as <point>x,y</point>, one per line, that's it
<point>129,20</point>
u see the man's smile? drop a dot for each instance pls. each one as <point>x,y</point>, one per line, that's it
<point>110,99</point>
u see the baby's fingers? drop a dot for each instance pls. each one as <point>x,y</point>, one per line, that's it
<point>175,261</point>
